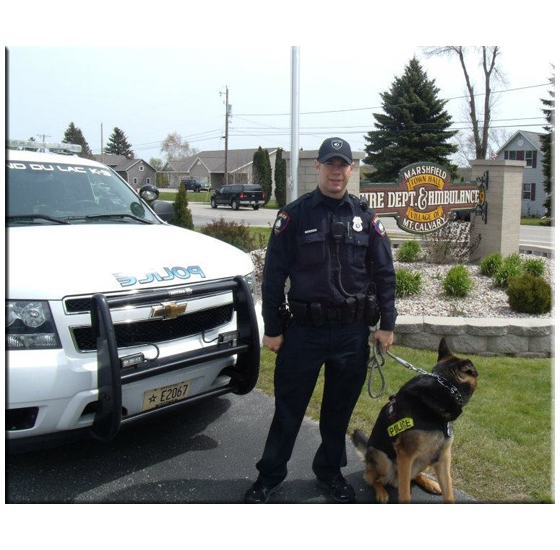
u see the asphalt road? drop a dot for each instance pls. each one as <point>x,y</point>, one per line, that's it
<point>203,454</point>
<point>204,214</point>
<point>264,217</point>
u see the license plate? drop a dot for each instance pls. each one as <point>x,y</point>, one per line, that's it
<point>166,395</point>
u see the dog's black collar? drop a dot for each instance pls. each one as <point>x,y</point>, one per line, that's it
<point>454,391</point>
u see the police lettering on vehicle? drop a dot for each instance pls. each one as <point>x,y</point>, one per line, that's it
<point>152,276</point>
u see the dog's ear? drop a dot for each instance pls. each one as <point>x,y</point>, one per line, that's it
<point>443,350</point>
<point>468,367</point>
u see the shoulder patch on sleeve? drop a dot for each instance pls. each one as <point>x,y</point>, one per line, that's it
<point>378,226</point>
<point>282,221</point>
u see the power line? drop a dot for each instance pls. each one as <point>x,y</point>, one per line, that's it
<point>380,106</point>
<point>322,130</point>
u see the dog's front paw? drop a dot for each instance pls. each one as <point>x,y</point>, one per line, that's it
<point>381,494</point>
<point>428,484</point>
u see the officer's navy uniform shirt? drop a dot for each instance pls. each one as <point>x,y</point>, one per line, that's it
<point>301,247</point>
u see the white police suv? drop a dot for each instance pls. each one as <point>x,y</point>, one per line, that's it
<point>113,315</point>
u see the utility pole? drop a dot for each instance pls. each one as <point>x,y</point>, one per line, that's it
<point>43,136</point>
<point>228,115</point>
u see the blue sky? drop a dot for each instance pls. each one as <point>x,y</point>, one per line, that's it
<point>152,92</point>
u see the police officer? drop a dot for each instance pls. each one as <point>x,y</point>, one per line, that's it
<point>333,254</point>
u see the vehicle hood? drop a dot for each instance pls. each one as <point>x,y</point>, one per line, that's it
<point>52,262</point>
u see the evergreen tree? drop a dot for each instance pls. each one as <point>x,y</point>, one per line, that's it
<point>262,171</point>
<point>546,145</point>
<point>118,144</point>
<point>267,187</point>
<point>182,216</point>
<point>414,128</point>
<point>75,136</point>
<point>280,179</point>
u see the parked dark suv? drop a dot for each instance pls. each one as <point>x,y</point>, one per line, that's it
<point>195,184</point>
<point>236,195</point>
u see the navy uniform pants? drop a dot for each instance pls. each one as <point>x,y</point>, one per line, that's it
<point>344,352</point>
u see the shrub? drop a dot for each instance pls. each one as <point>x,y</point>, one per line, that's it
<point>232,233</point>
<point>457,282</point>
<point>455,242</point>
<point>512,266</point>
<point>409,252</point>
<point>182,216</point>
<point>490,265</point>
<point>529,293</point>
<point>534,266</point>
<point>408,283</point>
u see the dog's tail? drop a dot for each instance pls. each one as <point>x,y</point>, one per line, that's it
<point>360,441</point>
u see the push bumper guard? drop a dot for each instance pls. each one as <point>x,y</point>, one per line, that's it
<point>110,377</point>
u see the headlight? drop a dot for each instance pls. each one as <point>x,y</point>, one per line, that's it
<point>29,325</point>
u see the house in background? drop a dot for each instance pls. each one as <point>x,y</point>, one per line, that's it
<point>210,166</point>
<point>526,146</point>
<point>136,172</point>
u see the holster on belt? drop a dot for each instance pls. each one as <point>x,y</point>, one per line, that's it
<point>285,316</point>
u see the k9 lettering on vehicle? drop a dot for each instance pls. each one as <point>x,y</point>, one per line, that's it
<point>108,321</point>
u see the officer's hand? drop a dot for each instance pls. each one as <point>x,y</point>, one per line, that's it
<point>273,343</point>
<point>385,338</point>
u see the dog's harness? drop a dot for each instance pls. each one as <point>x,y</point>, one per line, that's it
<point>397,424</point>
<point>391,423</point>
<point>378,360</point>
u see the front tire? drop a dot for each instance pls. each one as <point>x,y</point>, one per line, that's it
<point>213,203</point>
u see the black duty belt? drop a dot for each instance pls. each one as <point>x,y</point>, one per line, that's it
<point>317,314</point>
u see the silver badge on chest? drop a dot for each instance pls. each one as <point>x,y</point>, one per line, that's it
<point>357,225</point>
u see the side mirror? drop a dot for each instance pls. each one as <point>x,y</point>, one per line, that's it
<point>149,192</point>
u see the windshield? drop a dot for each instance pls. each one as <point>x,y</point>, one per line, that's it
<point>45,192</point>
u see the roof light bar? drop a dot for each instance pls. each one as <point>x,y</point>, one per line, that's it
<point>43,146</point>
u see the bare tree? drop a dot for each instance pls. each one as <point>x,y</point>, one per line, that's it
<point>466,144</point>
<point>489,63</point>
<point>175,148</point>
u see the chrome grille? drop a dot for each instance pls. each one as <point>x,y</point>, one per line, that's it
<point>156,331</point>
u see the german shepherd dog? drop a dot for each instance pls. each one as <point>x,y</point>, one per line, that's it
<point>413,430</point>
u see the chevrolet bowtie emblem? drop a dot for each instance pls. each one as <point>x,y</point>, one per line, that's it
<point>168,310</point>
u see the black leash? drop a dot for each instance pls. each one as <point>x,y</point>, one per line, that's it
<point>378,361</point>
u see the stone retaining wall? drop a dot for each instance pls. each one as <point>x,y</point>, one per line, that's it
<point>518,337</point>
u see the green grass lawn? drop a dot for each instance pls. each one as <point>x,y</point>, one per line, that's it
<point>535,221</point>
<point>502,450</point>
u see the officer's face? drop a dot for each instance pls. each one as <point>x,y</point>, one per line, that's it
<point>333,176</point>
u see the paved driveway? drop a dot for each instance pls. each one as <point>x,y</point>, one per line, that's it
<point>204,454</point>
